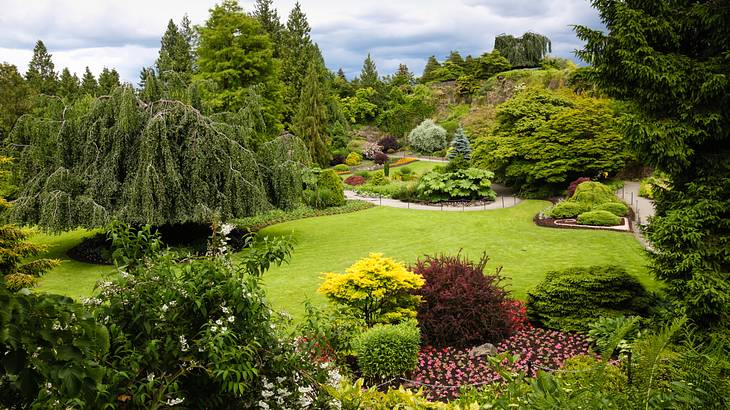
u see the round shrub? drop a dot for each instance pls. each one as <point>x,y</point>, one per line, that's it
<point>461,306</point>
<point>364,174</point>
<point>568,209</point>
<point>341,167</point>
<point>599,218</point>
<point>573,185</point>
<point>387,351</point>
<point>330,191</point>
<point>353,159</point>
<point>379,178</point>
<point>380,158</point>
<point>354,180</point>
<point>616,208</point>
<point>428,137</point>
<point>574,298</point>
<point>16,281</point>
<point>593,193</point>
<point>389,143</point>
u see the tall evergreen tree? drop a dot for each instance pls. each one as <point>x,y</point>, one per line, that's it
<point>403,76</point>
<point>297,54</point>
<point>369,74</point>
<point>14,97</point>
<point>108,81</point>
<point>151,89</point>
<point>430,71</point>
<point>89,86</point>
<point>41,74</point>
<point>235,53</point>
<point>671,60</point>
<point>267,15</point>
<point>310,121</point>
<point>174,61</point>
<point>340,85</point>
<point>68,85</point>
<point>455,58</point>
<point>460,146</point>
<point>191,37</point>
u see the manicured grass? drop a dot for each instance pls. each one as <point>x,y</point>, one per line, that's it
<point>71,278</point>
<point>510,238</point>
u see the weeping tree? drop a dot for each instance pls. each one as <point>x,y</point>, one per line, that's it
<point>283,161</point>
<point>116,157</point>
<point>525,51</point>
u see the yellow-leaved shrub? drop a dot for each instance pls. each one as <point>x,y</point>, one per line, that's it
<point>378,289</point>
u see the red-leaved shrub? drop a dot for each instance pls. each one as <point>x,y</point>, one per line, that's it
<point>517,316</point>
<point>389,143</point>
<point>461,306</point>
<point>573,185</point>
<point>380,158</point>
<point>355,180</point>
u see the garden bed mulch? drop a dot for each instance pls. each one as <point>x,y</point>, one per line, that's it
<point>626,226</point>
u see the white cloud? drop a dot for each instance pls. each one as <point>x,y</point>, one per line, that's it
<point>125,34</point>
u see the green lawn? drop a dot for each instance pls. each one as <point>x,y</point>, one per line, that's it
<point>332,243</point>
<point>510,238</point>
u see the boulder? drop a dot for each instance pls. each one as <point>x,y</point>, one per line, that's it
<point>487,349</point>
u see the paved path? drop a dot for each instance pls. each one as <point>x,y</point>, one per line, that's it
<point>502,201</point>
<point>403,154</point>
<point>643,207</point>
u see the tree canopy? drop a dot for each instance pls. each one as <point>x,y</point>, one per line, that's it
<point>525,51</point>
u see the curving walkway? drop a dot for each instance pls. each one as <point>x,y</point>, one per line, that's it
<point>502,201</point>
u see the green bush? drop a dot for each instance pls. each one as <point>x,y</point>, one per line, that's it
<point>330,181</point>
<point>427,137</point>
<point>616,208</point>
<point>379,178</point>
<point>568,209</point>
<point>341,167</point>
<point>602,330</point>
<point>276,216</point>
<point>471,183</point>
<point>574,298</point>
<point>598,218</point>
<point>364,174</point>
<point>593,193</point>
<point>353,159</point>
<point>388,350</point>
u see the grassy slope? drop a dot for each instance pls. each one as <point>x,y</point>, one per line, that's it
<point>508,236</point>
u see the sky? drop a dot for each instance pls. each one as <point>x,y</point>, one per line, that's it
<point>125,34</point>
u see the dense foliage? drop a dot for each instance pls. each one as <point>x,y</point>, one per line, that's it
<point>427,137</point>
<point>544,139</point>
<point>469,183</point>
<point>598,218</point>
<point>386,351</point>
<point>571,299</point>
<point>461,305</point>
<point>379,289</point>
<point>670,60</point>
<point>283,161</point>
<point>525,51</point>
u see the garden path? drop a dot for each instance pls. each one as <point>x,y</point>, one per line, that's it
<point>643,207</point>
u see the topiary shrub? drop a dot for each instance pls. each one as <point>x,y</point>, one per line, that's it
<point>378,289</point>
<point>341,167</point>
<point>353,159</point>
<point>461,306</point>
<point>379,178</point>
<point>427,137</point>
<point>573,185</point>
<point>389,143</point>
<point>574,298</point>
<point>387,351</point>
<point>593,193</point>
<point>380,158</point>
<point>329,180</point>
<point>355,180</point>
<point>568,209</point>
<point>599,218</point>
<point>616,208</point>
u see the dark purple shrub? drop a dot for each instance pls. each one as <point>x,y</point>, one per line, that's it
<point>389,143</point>
<point>461,305</point>
<point>573,185</point>
<point>380,158</point>
<point>355,180</point>
<point>337,159</point>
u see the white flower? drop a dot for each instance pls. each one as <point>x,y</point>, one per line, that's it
<point>305,389</point>
<point>231,319</point>
<point>214,328</point>
<point>280,379</point>
<point>263,405</point>
<point>183,344</point>
<point>224,309</point>
<point>164,307</point>
<point>218,322</point>
<point>267,393</point>
<point>150,377</point>
<point>224,329</point>
<point>227,228</point>
<point>49,386</point>
<point>175,402</point>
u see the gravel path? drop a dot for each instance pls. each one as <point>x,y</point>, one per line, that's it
<point>643,207</point>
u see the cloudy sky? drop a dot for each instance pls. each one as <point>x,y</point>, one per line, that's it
<point>125,34</point>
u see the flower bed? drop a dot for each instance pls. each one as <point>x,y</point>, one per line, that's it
<point>441,372</point>
<point>402,161</point>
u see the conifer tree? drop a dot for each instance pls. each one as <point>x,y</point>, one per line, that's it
<point>191,37</point>
<point>41,74</point>
<point>430,71</point>
<point>297,54</point>
<point>68,85</point>
<point>460,146</point>
<point>15,97</point>
<point>403,76</point>
<point>340,85</point>
<point>310,122</point>
<point>89,86</point>
<point>174,60</point>
<point>151,89</point>
<point>108,81</point>
<point>267,15</point>
<point>369,74</point>
<point>455,58</point>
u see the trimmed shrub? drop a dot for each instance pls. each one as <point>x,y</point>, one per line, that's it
<point>461,306</point>
<point>428,137</point>
<point>405,192</point>
<point>341,167</point>
<point>329,191</point>
<point>369,149</point>
<point>364,174</point>
<point>387,351</point>
<point>353,159</point>
<point>593,193</point>
<point>380,158</point>
<point>389,143</point>
<point>616,208</point>
<point>574,298</point>
<point>379,178</point>
<point>354,180</point>
<point>598,218</point>
<point>573,185</point>
<point>568,209</point>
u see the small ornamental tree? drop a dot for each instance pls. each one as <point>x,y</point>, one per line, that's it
<point>282,163</point>
<point>427,137</point>
<point>461,306</point>
<point>378,289</point>
<point>460,146</point>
